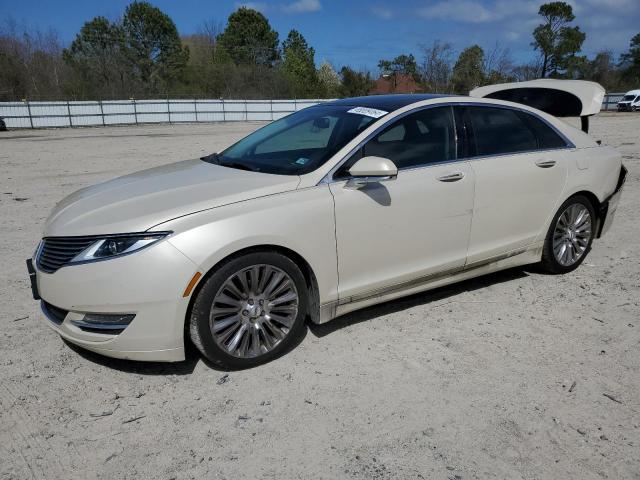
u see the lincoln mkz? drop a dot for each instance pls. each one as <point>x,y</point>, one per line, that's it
<point>333,208</point>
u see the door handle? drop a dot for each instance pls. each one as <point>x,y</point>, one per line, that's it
<point>545,163</point>
<point>452,177</point>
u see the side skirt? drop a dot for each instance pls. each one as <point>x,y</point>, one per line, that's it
<point>329,311</point>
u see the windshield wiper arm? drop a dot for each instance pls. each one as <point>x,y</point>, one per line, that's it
<point>238,165</point>
<point>215,158</point>
<point>211,158</point>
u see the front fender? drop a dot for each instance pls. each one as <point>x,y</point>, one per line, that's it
<point>301,220</point>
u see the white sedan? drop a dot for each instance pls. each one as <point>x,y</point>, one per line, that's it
<point>336,207</point>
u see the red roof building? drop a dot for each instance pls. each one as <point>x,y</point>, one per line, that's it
<point>395,83</point>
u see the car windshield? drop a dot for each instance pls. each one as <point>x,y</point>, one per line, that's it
<point>628,97</point>
<point>298,143</point>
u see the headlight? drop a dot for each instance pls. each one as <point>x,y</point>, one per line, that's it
<point>117,245</point>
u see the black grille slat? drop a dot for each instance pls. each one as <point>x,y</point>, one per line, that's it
<point>56,252</point>
<point>55,248</point>
<point>68,244</point>
<point>53,253</point>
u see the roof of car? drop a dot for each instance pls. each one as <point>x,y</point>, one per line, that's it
<point>388,103</point>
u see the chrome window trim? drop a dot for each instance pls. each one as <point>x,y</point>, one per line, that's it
<point>328,178</point>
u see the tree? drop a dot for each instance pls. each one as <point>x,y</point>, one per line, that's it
<point>436,67</point>
<point>152,46</point>
<point>299,65</point>
<point>527,71</point>
<point>355,84</point>
<point>555,39</point>
<point>468,72</point>
<point>498,66</point>
<point>603,69</point>
<point>97,56</point>
<point>630,61</point>
<point>401,65</point>
<point>328,81</point>
<point>249,39</point>
<point>30,63</point>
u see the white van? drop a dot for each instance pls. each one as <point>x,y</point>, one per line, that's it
<point>630,102</point>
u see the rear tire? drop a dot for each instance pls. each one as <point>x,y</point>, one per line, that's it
<point>570,236</point>
<point>250,310</point>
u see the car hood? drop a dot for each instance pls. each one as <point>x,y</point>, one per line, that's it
<point>137,202</point>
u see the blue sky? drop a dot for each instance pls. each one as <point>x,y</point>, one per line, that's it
<point>360,32</point>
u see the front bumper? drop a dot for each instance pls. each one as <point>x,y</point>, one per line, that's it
<point>625,107</point>
<point>148,284</point>
<point>610,205</point>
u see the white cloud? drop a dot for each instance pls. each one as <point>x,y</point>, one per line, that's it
<point>601,21</point>
<point>299,6</point>
<point>614,4</point>
<point>259,6</point>
<point>473,11</point>
<point>382,12</point>
<point>303,6</point>
<point>461,11</point>
<point>513,36</point>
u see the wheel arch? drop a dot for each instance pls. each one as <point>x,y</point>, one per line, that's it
<point>597,207</point>
<point>592,197</point>
<point>299,260</point>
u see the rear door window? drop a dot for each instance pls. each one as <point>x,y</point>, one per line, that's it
<point>498,131</point>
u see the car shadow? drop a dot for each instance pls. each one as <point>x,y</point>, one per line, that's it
<point>378,193</point>
<point>187,366</point>
<point>134,366</point>
<point>423,298</point>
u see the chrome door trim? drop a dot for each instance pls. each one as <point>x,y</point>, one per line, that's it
<point>329,310</point>
<point>569,145</point>
<point>419,281</point>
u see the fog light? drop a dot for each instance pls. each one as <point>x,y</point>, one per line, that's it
<point>104,322</point>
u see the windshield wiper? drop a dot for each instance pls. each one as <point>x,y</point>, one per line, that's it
<point>216,159</point>
<point>238,165</point>
<point>211,158</point>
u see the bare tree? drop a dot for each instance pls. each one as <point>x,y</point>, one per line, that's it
<point>210,29</point>
<point>437,65</point>
<point>498,65</point>
<point>528,71</point>
<point>30,62</point>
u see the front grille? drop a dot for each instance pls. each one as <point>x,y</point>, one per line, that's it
<point>56,252</point>
<point>53,313</point>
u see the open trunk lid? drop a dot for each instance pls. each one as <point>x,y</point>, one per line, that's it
<point>560,98</point>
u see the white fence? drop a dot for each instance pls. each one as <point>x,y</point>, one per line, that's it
<point>611,100</point>
<point>132,112</point>
<point>28,114</point>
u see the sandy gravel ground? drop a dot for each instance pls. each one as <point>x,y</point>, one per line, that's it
<point>513,376</point>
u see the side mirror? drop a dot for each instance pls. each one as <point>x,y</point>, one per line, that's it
<point>371,170</point>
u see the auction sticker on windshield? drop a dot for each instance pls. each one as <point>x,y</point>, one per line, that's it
<point>369,112</point>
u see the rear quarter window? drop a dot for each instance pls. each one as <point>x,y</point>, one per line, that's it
<point>547,137</point>
<point>500,131</point>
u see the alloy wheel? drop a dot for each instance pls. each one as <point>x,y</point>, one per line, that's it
<point>572,234</point>
<point>254,310</point>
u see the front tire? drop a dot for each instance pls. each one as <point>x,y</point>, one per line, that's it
<point>250,310</point>
<point>570,236</point>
